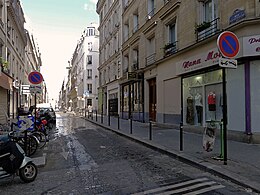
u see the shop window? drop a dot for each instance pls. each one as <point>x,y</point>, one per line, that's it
<point>203,98</point>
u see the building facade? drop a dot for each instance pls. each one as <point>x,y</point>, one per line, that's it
<point>83,74</point>
<point>110,66</point>
<point>14,59</point>
<point>170,63</point>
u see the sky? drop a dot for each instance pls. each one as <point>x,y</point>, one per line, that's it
<point>57,26</point>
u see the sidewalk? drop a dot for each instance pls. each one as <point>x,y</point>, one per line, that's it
<point>243,165</point>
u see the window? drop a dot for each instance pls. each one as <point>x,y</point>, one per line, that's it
<point>135,22</point>
<point>89,73</point>
<point>172,33</point>
<point>209,10</point>
<point>135,59</point>
<point>151,8</point>
<point>91,32</point>
<point>126,62</point>
<point>89,59</point>
<point>89,102</point>
<point>150,48</point>
<point>126,31</point>
<point>89,88</point>
<point>90,46</point>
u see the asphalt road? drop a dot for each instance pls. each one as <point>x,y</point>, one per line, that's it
<point>83,158</point>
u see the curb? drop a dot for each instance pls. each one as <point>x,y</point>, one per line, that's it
<point>208,167</point>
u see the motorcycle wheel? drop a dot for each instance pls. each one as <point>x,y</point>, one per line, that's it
<point>41,137</point>
<point>28,173</point>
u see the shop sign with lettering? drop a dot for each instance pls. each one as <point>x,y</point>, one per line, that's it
<point>251,46</point>
<point>204,60</point>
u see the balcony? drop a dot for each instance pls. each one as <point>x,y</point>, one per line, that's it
<point>150,60</point>
<point>207,29</point>
<point>170,49</point>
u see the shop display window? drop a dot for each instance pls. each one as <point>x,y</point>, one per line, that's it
<point>202,98</point>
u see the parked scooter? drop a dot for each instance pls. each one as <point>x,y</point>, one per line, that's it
<point>14,161</point>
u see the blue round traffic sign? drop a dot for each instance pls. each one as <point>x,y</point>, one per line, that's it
<point>35,77</point>
<point>228,44</point>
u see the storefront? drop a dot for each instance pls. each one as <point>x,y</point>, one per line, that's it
<point>132,99</point>
<point>202,97</point>
<point>202,93</point>
<point>5,88</point>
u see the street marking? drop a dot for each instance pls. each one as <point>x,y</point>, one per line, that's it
<point>187,188</point>
<point>171,189</point>
<point>205,190</point>
<point>172,186</point>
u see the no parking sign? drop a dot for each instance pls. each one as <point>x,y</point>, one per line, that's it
<point>228,44</point>
<point>35,77</point>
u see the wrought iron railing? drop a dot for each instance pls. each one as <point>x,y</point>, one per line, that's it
<point>150,59</point>
<point>207,29</point>
<point>170,48</point>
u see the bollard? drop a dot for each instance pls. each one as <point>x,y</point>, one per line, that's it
<point>181,136</point>
<point>96,115</point>
<point>118,122</point>
<point>108,118</point>
<point>131,126</point>
<point>150,131</point>
<point>102,117</point>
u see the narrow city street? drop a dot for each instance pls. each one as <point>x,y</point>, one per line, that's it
<point>83,158</point>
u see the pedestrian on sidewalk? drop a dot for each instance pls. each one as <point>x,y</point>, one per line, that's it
<point>90,111</point>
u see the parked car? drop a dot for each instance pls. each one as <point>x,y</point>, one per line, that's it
<point>47,111</point>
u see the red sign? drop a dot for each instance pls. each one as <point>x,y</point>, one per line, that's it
<point>35,77</point>
<point>228,44</point>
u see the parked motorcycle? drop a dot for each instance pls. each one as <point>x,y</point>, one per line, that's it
<point>14,161</point>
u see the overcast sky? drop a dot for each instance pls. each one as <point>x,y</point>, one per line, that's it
<point>57,26</point>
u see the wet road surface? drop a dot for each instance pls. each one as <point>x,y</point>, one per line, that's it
<point>83,158</point>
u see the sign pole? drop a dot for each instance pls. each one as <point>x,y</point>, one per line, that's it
<point>224,115</point>
<point>35,96</point>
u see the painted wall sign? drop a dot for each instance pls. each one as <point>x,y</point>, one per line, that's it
<point>237,15</point>
<point>251,45</point>
<point>204,60</point>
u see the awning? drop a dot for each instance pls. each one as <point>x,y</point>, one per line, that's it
<point>5,81</point>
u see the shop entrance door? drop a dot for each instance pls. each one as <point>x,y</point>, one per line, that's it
<point>152,99</point>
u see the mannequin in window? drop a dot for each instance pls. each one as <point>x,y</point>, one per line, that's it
<point>212,104</point>
<point>190,110</point>
<point>199,107</point>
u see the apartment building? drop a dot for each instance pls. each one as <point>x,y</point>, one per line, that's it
<point>170,62</point>
<point>83,74</point>
<point>14,58</point>
<point>110,60</point>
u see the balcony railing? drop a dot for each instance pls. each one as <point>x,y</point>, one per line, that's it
<point>170,49</point>
<point>150,59</point>
<point>207,29</point>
